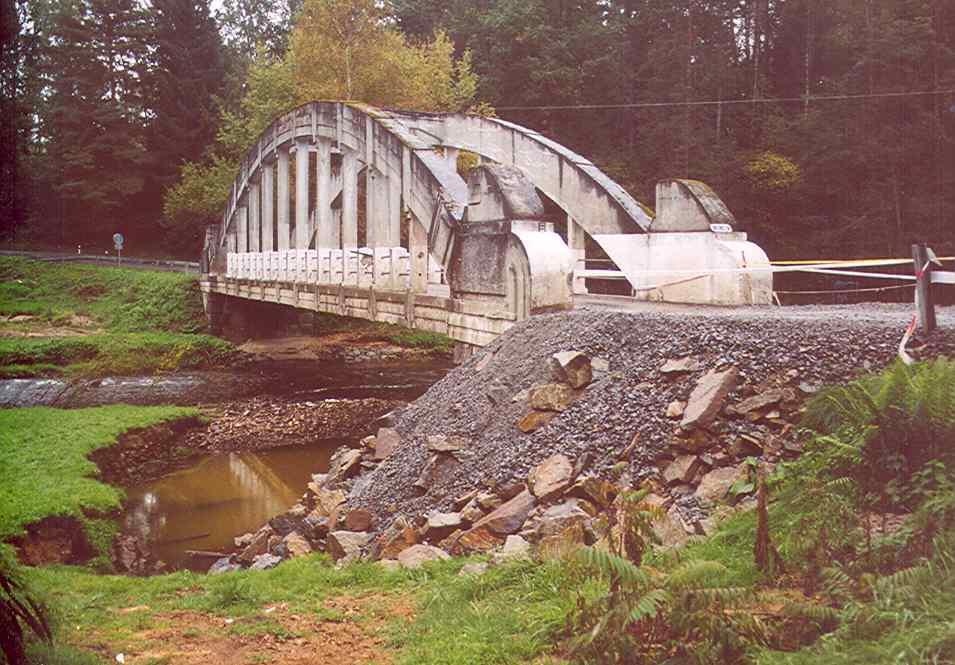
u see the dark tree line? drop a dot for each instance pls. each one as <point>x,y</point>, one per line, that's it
<point>104,100</point>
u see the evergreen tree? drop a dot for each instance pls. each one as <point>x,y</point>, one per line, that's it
<point>187,79</point>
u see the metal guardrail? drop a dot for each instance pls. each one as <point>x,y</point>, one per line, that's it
<point>127,262</point>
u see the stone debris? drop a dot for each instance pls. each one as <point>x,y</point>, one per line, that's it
<point>477,568</point>
<point>550,477</point>
<point>551,397</point>
<point>265,561</point>
<point>514,547</point>
<point>681,365</point>
<point>707,397</point>
<point>572,367</point>
<point>418,555</point>
<point>451,473</point>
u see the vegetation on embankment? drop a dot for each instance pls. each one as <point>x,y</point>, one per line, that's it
<point>95,320</point>
<point>45,470</point>
<point>858,545</point>
<point>371,331</point>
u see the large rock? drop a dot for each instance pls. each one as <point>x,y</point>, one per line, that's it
<point>223,565</point>
<point>534,420</point>
<point>258,545</point>
<point>297,545</point>
<point>437,470</point>
<point>551,477</point>
<point>562,544</point>
<point>759,401</point>
<point>265,561</point>
<point>439,443</point>
<point>417,555</point>
<point>347,545</point>
<point>395,538</point>
<point>572,367</point>
<point>598,491</point>
<point>682,470</point>
<point>359,519</point>
<point>440,525</point>
<point>558,518</point>
<point>680,365</point>
<point>707,397</point>
<point>715,485</point>
<point>514,547</point>
<point>344,463</point>
<point>551,397</point>
<point>490,531</point>
<point>386,441</point>
<point>327,502</point>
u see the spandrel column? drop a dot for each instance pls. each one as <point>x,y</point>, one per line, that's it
<point>349,200</point>
<point>282,207</point>
<point>303,234</point>
<point>255,244</point>
<point>268,207</point>
<point>329,233</point>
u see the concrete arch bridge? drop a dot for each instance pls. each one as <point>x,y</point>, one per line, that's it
<point>349,209</point>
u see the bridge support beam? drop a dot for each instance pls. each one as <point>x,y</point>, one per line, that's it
<point>329,235</point>
<point>349,200</point>
<point>254,225</point>
<point>242,229</point>
<point>268,207</point>
<point>577,241</point>
<point>302,231</point>
<point>282,204</point>
<point>394,211</point>
<point>418,248</point>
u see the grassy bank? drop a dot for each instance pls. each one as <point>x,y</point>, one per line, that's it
<point>44,468</point>
<point>61,318</point>
<point>384,332</point>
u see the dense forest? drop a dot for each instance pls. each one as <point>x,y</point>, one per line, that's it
<point>827,126</point>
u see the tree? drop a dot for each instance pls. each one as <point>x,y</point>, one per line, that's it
<point>187,79</point>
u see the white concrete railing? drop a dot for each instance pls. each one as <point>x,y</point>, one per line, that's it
<point>385,267</point>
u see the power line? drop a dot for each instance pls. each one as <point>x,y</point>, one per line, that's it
<point>719,102</point>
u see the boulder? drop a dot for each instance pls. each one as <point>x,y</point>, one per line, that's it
<point>715,485</point>
<point>572,367</point>
<point>439,443</point>
<point>343,464</point>
<point>534,420</point>
<point>675,409</point>
<point>258,545</point>
<point>759,401</point>
<point>472,512</point>
<point>243,541</point>
<point>417,555</point>
<point>315,526</point>
<point>680,365</point>
<point>440,525</point>
<point>497,393</point>
<point>284,524</point>
<point>669,529</point>
<point>297,545</point>
<point>347,544</point>
<point>359,519</point>
<point>327,502</point>
<point>551,397</point>
<point>396,537</point>
<point>490,531</point>
<point>559,545</point>
<point>437,470</point>
<point>558,518</point>
<point>514,547</point>
<point>265,561</point>
<point>223,565</point>
<point>598,491</point>
<point>386,441</point>
<point>476,568</point>
<point>551,477</point>
<point>707,397</point>
<point>682,470</point>
<point>489,500</point>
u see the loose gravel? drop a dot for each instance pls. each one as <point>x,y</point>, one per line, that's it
<point>476,400</point>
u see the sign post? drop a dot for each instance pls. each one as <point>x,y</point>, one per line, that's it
<point>118,243</point>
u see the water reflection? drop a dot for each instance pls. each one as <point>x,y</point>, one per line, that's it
<point>206,506</point>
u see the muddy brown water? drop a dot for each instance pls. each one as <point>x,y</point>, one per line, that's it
<point>222,496</point>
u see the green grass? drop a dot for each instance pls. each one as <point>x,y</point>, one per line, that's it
<point>44,469</point>
<point>118,299</point>
<point>145,321</point>
<point>385,332</point>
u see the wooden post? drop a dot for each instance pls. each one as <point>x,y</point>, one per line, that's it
<point>923,288</point>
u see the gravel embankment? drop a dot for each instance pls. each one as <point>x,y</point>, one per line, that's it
<point>804,347</point>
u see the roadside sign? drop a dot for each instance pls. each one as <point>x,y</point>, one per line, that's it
<point>118,243</point>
